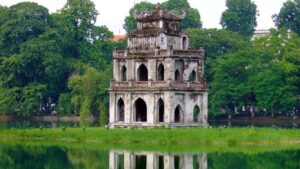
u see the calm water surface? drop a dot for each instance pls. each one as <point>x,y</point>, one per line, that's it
<point>17,156</point>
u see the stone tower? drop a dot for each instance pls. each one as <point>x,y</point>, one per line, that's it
<point>158,80</point>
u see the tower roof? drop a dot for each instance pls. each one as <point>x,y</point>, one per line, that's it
<point>159,14</point>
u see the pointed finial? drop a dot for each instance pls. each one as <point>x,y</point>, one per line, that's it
<point>158,6</point>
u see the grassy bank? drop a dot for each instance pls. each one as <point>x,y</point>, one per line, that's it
<point>161,139</point>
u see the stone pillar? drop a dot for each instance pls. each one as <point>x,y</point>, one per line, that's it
<point>129,160</point>
<point>112,106</point>
<point>188,162</point>
<point>130,70</point>
<point>152,70</point>
<point>113,160</point>
<point>128,107</point>
<point>150,108</point>
<point>116,72</point>
<point>169,162</point>
<point>169,112</point>
<point>169,69</point>
<point>151,161</point>
<point>204,107</point>
<point>202,160</point>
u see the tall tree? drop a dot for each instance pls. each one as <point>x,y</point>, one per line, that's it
<point>289,16</point>
<point>78,18</point>
<point>240,17</point>
<point>20,23</point>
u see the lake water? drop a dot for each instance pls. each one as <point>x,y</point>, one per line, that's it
<point>35,156</point>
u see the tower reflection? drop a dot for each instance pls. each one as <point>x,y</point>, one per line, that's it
<point>151,160</point>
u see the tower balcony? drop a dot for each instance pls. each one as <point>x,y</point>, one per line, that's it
<point>157,53</point>
<point>158,85</point>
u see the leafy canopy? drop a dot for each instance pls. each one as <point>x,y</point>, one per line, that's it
<point>240,17</point>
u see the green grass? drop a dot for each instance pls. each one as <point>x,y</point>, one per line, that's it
<point>180,140</point>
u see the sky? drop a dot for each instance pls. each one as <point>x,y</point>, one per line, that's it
<point>113,12</point>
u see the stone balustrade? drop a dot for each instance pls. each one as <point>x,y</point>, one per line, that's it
<point>158,53</point>
<point>158,85</point>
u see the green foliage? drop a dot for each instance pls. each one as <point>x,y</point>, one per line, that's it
<point>289,16</point>
<point>216,43</point>
<point>130,22</point>
<point>78,18</point>
<point>89,90</point>
<point>265,76</point>
<point>64,106</point>
<point>22,101</point>
<point>240,17</point>
<point>20,23</point>
<point>37,52</point>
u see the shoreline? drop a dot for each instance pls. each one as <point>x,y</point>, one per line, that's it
<point>191,137</point>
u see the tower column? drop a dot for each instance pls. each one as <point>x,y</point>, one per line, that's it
<point>112,106</point>
<point>128,108</point>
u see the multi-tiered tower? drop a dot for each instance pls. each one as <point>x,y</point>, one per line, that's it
<point>158,80</point>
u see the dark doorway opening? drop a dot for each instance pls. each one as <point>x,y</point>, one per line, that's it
<point>120,110</point>
<point>161,110</point>
<point>192,77</point>
<point>161,164</point>
<point>177,75</point>
<point>123,73</point>
<point>176,162</point>
<point>140,161</point>
<point>196,112</point>
<point>141,110</point>
<point>121,161</point>
<point>142,73</point>
<point>160,73</point>
<point>184,43</point>
<point>177,117</point>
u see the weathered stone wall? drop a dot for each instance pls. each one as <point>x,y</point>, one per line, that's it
<point>186,100</point>
<point>185,66</point>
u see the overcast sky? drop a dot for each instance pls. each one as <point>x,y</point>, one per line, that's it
<point>113,12</point>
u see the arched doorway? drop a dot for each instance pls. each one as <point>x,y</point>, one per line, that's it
<point>184,43</point>
<point>123,73</point>
<point>178,116</point>
<point>160,72</point>
<point>140,110</point>
<point>142,73</point>
<point>120,110</point>
<point>161,110</point>
<point>192,77</point>
<point>196,112</point>
<point>177,75</point>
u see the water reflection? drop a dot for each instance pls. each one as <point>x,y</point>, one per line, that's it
<point>148,160</point>
<point>35,156</point>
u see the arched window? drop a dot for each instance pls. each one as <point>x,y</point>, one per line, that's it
<point>142,73</point>
<point>192,77</point>
<point>161,73</point>
<point>178,117</point>
<point>123,73</point>
<point>140,110</point>
<point>120,110</point>
<point>184,43</point>
<point>161,110</point>
<point>196,112</point>
<point>177,75</point>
